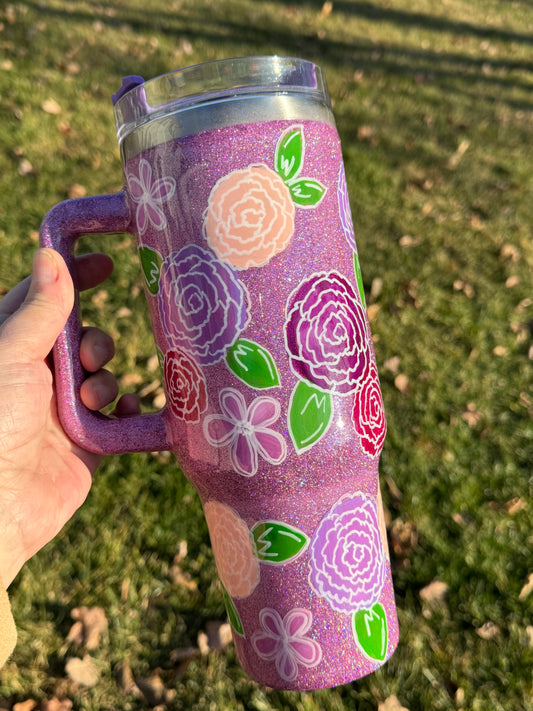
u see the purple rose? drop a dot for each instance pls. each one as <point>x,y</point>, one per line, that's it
<point>344,209</point>
<point>326,333</point>
<point>202,304</point>
<point>346,552</point>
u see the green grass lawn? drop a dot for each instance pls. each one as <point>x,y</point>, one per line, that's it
<point>433,102</point>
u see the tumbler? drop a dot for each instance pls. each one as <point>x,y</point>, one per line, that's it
<point>236,192</point>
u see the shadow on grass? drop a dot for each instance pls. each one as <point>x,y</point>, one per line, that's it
<point>463,72</point>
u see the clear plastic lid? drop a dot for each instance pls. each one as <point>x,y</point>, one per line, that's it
<point>138,102</point>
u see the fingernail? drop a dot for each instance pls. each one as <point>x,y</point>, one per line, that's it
<point>45,269</point>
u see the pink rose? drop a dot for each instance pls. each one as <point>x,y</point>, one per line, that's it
<point>249,217</point>
<point>369,414</point>
<point>185,386</point>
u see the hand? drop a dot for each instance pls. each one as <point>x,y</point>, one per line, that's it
<point>44,476</point>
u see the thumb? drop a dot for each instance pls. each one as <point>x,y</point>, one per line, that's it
<point>34,327</point>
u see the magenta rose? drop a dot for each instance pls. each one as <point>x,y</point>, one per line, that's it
<point>326,333</point>
<point>369,414</point>
<point>202,304</point>
<point>185,386</point>
<point>346,555</point>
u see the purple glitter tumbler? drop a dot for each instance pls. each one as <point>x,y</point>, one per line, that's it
<point>236,192</point>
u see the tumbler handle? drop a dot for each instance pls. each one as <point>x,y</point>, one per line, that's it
<point>93,431</point>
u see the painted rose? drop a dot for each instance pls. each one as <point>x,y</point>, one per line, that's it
<point>249,217</point>
<point>369,414</point>
<point>237,564</point>
<point>202,304</point>
<point>344,209</point>
<point>246,431</point>
<point>347,560</point>
<point>285,641</point>
<point>149,193</point>
<point>326,333</point>
<point>185,386</point>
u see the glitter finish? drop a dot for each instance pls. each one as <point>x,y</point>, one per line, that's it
<point>274,412</point>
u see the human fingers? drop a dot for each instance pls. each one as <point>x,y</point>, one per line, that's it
<point>127,405</point>
<point>92,269</point>
<point>99,390</point>
<point>96,349</point>
<point>31,330</point>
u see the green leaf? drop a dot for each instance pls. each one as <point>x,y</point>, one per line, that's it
<point>289,156</point>
<point>233,614</point>
<point>307,192</point>
<point>310,414</point>
<point>359,278</point>
<point>151,265</point>
<point>370,631</point>
<point>277,542</point>
<point>253,364</point>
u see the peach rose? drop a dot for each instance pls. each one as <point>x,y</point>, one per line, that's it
<point>237,564</point>
<point>249,217</point>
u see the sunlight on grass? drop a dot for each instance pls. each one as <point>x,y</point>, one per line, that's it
<point>433,105</point>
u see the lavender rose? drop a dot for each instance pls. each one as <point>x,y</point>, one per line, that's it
<point>202,304</point>
<point>326,333</point>
<point>346,555</point>
<point>344,209</point>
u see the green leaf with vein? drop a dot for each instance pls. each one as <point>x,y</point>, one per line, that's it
<point>310,414</point>
<point>253,364</point>
<point>307,192</point>
<point>277,542</point>
<point>151,265</point>
<point>233,615</point>
<point>370,631</point>
<point>289,156</point>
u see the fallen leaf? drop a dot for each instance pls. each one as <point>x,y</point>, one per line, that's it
<point>512,281</point>
<point>515,505</point>
<point>456,158</point>
<point>527,589</point>
<point>392,364</point>
<point>500,351</point>
<point>407,241</point>
<point>488,631</point>
<point>376,288</point>
<point>403,537</point>
<point>56,704</point>
<point>401,383</point>
<point>203,643</point>
<point>154,690</point>
<point>472,416</point>
<point>125,681</point>
<point>184,654</point>
<point>28,705</point>
<point>50,106</point>
<point>82,671</point>
<point>510,252</point>
<point>434,593</point>
<point>528,638</point>
<point>90,623</point>
<point>183,579</point>
<point>218,634</point>
<point>25,167</point>
<point>327,7</point>
<point>77,191</point>
<point>392,704</point>
<point>372,311</point>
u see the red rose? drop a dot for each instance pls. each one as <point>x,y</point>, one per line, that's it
<point>185,386</point>
<point>369,415</point>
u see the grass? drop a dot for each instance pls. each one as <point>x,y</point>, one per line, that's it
<point>433,105</point>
